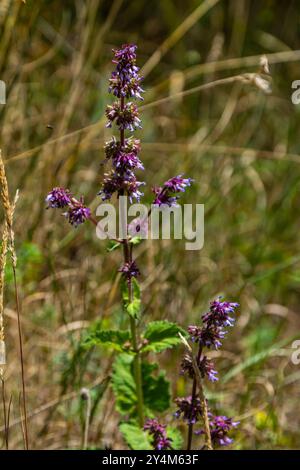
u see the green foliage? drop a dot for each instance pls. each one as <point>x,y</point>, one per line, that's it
<point>136,438</point>
<point>176,436</point>
<point>161,335</point>
<point>114,338</point>
<point>132,308</point>
<point>123,385</point>
<point>135,240</point>
<point>155,387</point>
<point>112,246</point>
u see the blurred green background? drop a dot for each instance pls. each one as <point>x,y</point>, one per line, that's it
<point>240,145</point>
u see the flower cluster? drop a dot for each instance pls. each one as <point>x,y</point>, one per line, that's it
<point>220,426</point>
<point>157,431</point>
<point>129,270</point>
<point>77,212</point>
<point>126,117</point>
<point>167,195</point>
<point>125,80</point>
<point>124,83</point>
<point>190,410</point>
<point>214,321</point>
<point>209,335</point>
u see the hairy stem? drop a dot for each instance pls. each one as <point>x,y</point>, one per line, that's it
<point>197,382</point>
<point>134,340</point>
<point>194,393</point>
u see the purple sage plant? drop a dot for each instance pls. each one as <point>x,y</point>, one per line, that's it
<point>147,390</point>
<point>192,409</point>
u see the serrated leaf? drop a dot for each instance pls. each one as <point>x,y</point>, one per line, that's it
<point>136,438</point>
<point>155,387</point>
<point>114,338</point>
<point>161,335</point>
<point>123,384</point>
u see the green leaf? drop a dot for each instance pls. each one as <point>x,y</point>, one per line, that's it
<point>135,240</point>
<point>114,338</point>
<point>112,246</point>
<point>176,436</point>
<point>156,391</point>
<point>136,438</point>
<point>161,335</point>
<point>132,308</point>
<point>123,385</point>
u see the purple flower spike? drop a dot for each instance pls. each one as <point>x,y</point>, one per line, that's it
<point>77,214</point>
<point>123,153</point>
<point>220,426</point>
<point>58,198</point>
<point>129,270</point>
<point>166,195</point>
<point>206,367</point>
<point>126,118</point>
<point>121,184</point>
<point>191,413</point>
<point>160,441</point>
<point>125,80</point>
<point>219,313</point>
<point>178,184</point>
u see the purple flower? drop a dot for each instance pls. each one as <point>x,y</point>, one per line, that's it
<point>127,161</point>
<point>126,84</point>
<point>123,153</point>
<point>160,441</point>
<point>187,366</point>
<point>58,198</point>
<point>178,184</point>
<point>77,214</point>
<point>219,313</point>
<point>125,80</point>
<point>121,184</point>
<point>206,367</point>
<point>113,147</point>
<point>211,336</point>
<point>189,412</point>
<point>166,195</point>
<point>125,118</point>
<point>125,56</point>
<point>129,270</point>
<point>220,426</point>
<point>163,198</point>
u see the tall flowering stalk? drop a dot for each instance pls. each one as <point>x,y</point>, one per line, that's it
<point>122,153</point>
<point>194,408</point>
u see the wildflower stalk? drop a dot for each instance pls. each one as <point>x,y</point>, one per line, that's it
<point>195,407</point>
<point>123,154</point>
<point>197,382</point>
<point>134,341</point>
